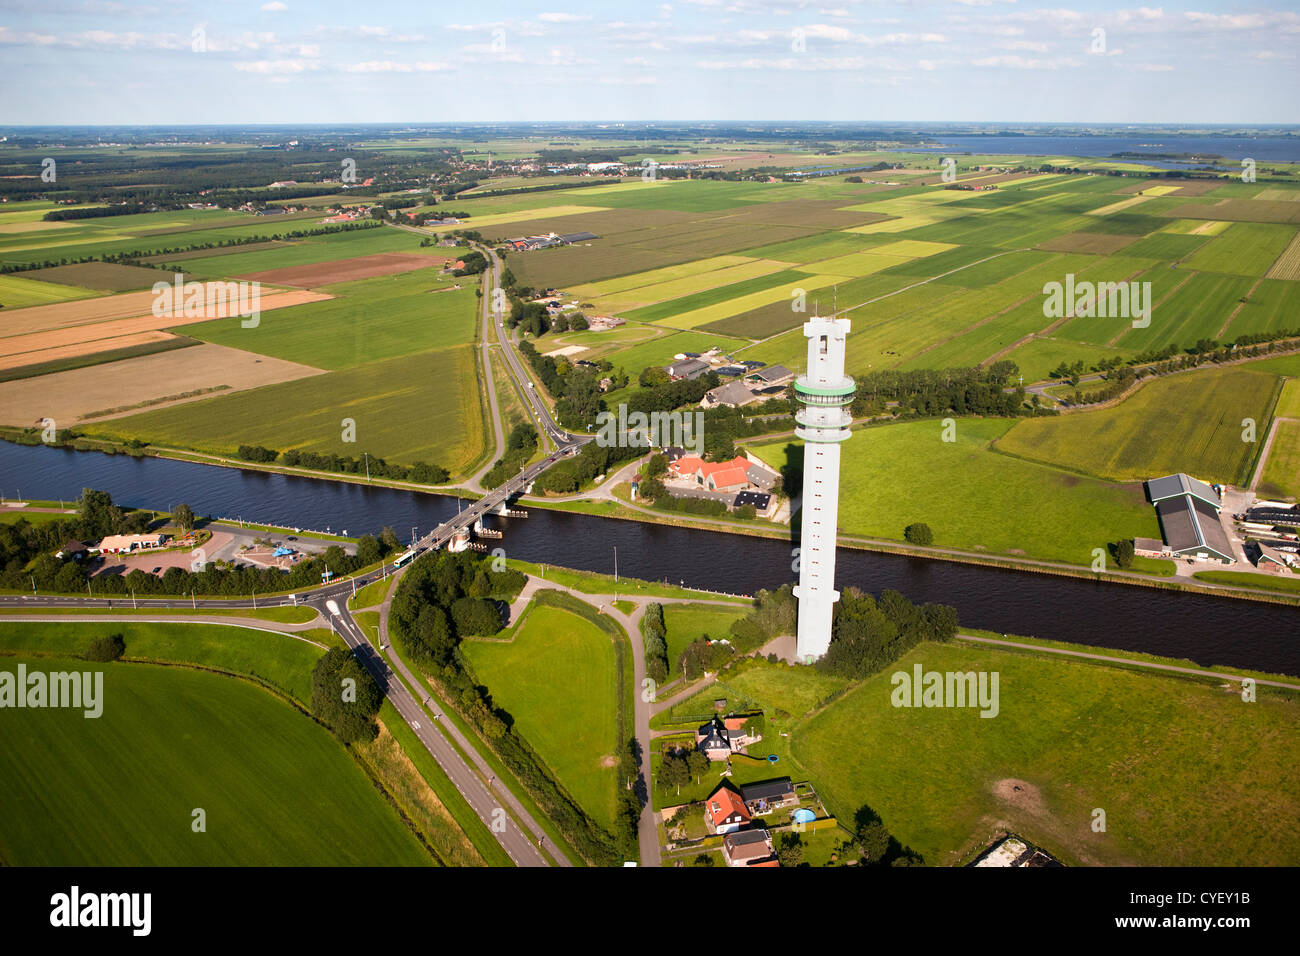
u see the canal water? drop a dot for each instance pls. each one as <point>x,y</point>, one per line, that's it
<point>1207,630</point>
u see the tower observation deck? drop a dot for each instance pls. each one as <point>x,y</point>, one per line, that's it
<point>823,423</point>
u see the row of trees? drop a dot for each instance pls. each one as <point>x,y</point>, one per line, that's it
<point>870,633</point>
<point>421,472</point>
<point>654,638</point>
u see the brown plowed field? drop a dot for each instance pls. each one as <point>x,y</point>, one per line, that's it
<point>347,270</point>
<point>49,327</point>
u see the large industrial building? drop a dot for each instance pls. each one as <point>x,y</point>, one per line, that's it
<point>823,423</point>
<point>1189,518</point>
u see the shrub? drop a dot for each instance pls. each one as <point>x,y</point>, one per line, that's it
<point>104,649</point>
<point>919,534</point>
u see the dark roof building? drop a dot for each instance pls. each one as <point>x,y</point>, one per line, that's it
<point>1189,518</point>
<point>746,847</point>
<point>768,795</point>
<point>1175,486</point>
<point>692,368</point>
<point>579,236</point>
<point>773,375</point>
<point>759,499</point>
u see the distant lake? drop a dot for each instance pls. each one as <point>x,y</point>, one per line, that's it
<point>1260,148</point>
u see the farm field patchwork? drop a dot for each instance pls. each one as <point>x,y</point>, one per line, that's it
<point>1281,475</point>
<point>1244,249</point>
<point>19,291</point>
<point>75,396</point>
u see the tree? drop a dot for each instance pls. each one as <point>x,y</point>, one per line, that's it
<point>104,649</point>
<point>919,534</point>
<point>790,852</point>
<point>629,766</point>
<point>674,772</point>
<point>698,764</point>
<point>1124,553</point>
<point>345,697</point>
<point>873,840</point>
<point>388,538</point>
<point>183,517</point>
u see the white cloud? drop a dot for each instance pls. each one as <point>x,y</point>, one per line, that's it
<point>395,66</point>
<point>275,6</point>
<point>563,17</point>
<point>282,67</point>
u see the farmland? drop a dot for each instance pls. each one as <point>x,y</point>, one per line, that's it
<point>966,491</point>
<point>571,716</point>
<point>171,740</point>
<point>1072,736</point>
<point>1190,422</point>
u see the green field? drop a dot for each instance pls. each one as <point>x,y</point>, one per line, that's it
<point>371,319</point>
<point>975,499</point>
<point>1281,476</point>
<point>1243,249</point>
<point>557,679</point>
<point>18,292</point>
<point>422,407</point>
<point>1153,752</point>
<point>690,622</point>
<point>1188,422</point>
<point>120,790</point>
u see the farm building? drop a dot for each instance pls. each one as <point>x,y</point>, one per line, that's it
<point>73,551</point>
<point>1150,548</point>
<point>719,739</point>
<point>726,810</point>
<point>1189,518</point>
<point>772,375</point>
<point>713,476</point>
<point>1271,559</point>
<point>691,368</point>
<point>731,395</point>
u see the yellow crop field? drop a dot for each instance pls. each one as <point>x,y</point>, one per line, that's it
<point>689,285</point>
<point>654,276</point>
<point>520,215</point>
<point>854,265</point>
<point>1287,265</point>
<point>1119,206</point>
<point>912,248</point>
<point>744,303</point>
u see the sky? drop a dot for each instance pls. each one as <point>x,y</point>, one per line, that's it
<point>291,61</point>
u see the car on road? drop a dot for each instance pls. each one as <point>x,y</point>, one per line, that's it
<point>156,570</point>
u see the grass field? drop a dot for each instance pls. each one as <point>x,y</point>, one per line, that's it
<point>369,320</point>
<point>975,499</point>
<point>1282,469</point>
<point>1244,249</point>
<point>556,678</point>
<point>690,622</point>
<point>1152,751</point>
<point>122,788</point>
<point>18,292</point>
<point>1187,422</point>
<point>421,407</point>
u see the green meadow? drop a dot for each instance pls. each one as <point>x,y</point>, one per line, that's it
<point>557,678</point>
<point>974,498</point>
<point>275,788</point>
<point>1155,753</point>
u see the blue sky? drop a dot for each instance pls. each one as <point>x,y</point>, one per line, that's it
<point>286,61</point>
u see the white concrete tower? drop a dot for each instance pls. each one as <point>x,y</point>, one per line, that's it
<point>823,423</point>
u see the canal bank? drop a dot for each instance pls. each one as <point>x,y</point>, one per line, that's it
<point>1207,629</point>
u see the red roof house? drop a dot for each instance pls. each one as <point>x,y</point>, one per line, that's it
<point>726,810</point>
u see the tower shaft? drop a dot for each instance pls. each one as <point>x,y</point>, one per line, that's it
<point>823,423</point>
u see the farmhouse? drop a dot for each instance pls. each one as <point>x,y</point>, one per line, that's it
<point>713,476</point>
<point>731,395</point>
<point>126,543</point>
<point>726,810</point>
<point>73,551</point>
<point>1189,518</point>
